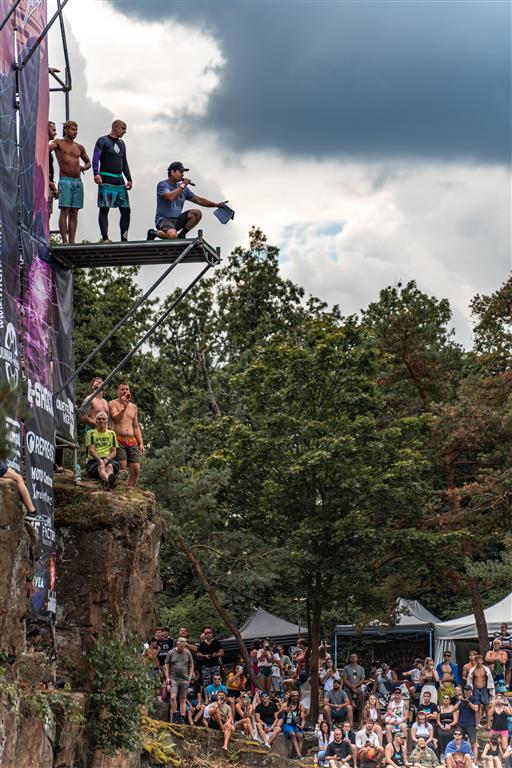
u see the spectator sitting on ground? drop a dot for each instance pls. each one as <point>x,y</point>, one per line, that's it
<point>214,688</point>
<point>268,723</point>
<point>492,754</point>
<point>395,753</point>
<point>195,706</point>
<point>336,705</point>
<point>293,718</point>
<point>338,754</point>
<point>102,448</point>
<point>367,745</point>
<point>220,718</point>
<point>324,736</point>
<point>243,715</point>
<point>396,715</point>
<point>371,711</point>
<point>421,729</point>
<point>458,745</point>
<point>8,473</point>
<point>353,679</point>
<point>423,756</point>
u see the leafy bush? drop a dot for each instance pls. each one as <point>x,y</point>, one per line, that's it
<point>121,688</point>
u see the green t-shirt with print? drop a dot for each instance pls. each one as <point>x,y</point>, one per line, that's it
<point>102,441</point>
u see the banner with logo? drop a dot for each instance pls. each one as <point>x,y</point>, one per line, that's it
<point>63,354</point>
<point>9,247</point>
<point>37,293</point>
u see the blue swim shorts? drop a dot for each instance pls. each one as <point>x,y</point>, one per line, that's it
<point>71,193</point>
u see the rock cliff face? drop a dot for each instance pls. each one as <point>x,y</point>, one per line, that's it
<point>108,546</point>
<point>15,571</point>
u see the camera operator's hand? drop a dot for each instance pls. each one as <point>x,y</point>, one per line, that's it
<point>222,204</point>
<point>98,179</point>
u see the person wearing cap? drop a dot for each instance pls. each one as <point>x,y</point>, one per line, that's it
<point>268,722</point>
<point>337,706</point>
<point>171,195</point>
<point>396,715</point>
<point>467,709</point>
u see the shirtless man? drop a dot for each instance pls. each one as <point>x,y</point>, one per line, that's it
<point>480,678</point>
<point>497,660</point>
<point>466,669</point>
<point>506,645</point>
<point>126,426</point>
<point>97,404</point>
<point>71,190</point>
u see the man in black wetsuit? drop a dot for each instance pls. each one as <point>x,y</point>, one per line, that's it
<point>109,164</point>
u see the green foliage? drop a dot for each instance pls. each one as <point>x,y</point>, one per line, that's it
<point>120,688</point>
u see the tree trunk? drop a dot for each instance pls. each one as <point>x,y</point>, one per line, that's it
<point>316,619</point>
<point>477,605</point>
<point>196,565</point>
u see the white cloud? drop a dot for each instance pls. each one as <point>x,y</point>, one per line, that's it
<point>346,229</point>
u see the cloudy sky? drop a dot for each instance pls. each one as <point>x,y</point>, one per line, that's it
<point>371,141</point>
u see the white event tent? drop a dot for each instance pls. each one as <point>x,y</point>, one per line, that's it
<point>464,628</point>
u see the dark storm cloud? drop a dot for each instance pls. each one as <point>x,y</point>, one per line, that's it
<point>429,79</point>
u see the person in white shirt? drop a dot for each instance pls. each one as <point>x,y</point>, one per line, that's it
<point>367,745</point>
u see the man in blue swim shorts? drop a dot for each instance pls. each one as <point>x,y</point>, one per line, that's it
<point>71,190</point>
<point>110,168</point>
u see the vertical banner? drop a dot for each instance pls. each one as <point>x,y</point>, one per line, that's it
<point>63,354</point>
<point>37,292</point>
<point>9,247</point>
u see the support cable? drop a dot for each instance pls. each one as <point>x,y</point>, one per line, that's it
<point>130,312</point>
<point>142,341</point>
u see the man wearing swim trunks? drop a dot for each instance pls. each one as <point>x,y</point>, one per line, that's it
<point>71,190</point>
<point>171,195</point>
<point>124,416</point>
<point>97,404</point>
<point>52,191</point>
<point>109,165</point>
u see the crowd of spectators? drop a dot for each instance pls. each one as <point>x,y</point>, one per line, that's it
<point>420,717</point>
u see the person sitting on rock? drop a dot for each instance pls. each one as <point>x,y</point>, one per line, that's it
<point>102,446</point>
<point>8,473</point>
<point>221,718</point>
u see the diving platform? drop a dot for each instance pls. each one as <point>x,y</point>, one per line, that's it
<point>136,253</point>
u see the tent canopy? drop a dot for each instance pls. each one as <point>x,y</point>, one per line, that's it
<point>464,627</point>
<point>263,624</point>
<point>413,617</point>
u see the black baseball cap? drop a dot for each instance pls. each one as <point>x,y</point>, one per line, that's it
<point>177,166</point>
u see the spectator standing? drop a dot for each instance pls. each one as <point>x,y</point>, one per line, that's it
<point>96,405</point>
<point>179,671</point>
<point>52,191</point>
<point>125,421</point>
<point>210,653</point>
<point>109,164</point>
<point>448,718</point>
<point>497,660</point>
<point>470,664</point>
<point>500,712</point>
<point>353,679</point>
<point>429,679</point>
<point>164,643</point>
<point>482,682</point>
<point>265,661</point>
<point>448,674</point>
<point>467,710</point>
<point>506,644</point>
<point>71,190</point>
